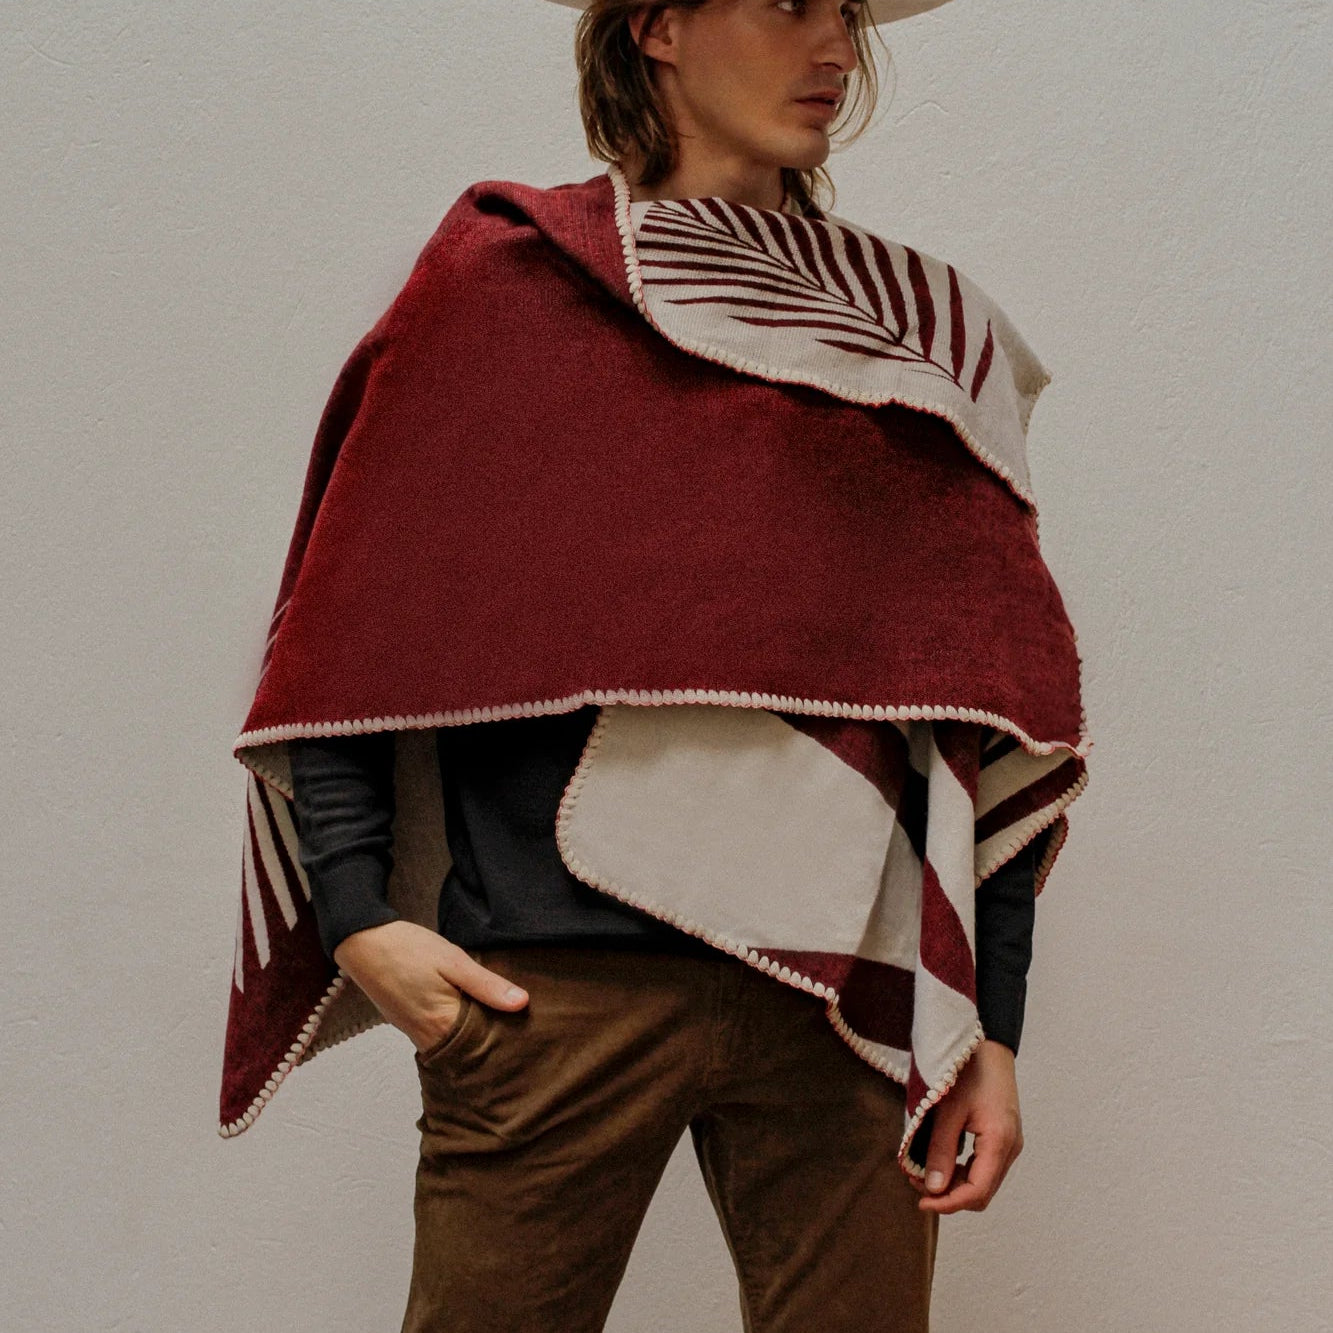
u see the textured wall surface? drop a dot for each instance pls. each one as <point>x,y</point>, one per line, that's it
<point>204,207</point>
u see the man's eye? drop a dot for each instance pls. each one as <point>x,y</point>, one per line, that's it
<point>849,12</point>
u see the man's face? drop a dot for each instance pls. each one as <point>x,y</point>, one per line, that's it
<point>734,73</point>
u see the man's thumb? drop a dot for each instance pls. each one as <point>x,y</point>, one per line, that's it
<point>942,1156</point>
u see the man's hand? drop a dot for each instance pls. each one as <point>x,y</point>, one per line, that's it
<point>414,977</point>
<point>984,1100</point>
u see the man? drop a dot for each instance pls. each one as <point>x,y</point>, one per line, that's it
<point>584,836</point>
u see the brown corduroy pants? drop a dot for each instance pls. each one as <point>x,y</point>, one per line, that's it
<point>545,1132</point>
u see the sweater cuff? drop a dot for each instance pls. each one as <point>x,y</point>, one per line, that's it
<point>1006,912</point>
<point>1000,1005</point>
<point>349,895</point>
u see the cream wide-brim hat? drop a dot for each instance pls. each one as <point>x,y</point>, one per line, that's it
<point>881,11</point>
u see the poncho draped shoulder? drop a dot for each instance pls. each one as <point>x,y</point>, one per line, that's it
<point>754,483</point>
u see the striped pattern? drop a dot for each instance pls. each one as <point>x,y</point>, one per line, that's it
<point>839,855</point>
<point>822,302</point>
<point>270,865</point>
<point>281,981</point>
<point>829,284</point>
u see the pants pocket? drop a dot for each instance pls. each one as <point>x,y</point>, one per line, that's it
<point>433,1055</point>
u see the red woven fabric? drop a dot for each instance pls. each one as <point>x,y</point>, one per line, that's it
<point>523,491</point>
<point>519,492</point>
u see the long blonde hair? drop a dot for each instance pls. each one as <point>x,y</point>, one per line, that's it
<point>622,115</point>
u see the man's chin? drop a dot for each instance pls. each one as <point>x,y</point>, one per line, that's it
<point>805,149</point>
<point>812,157</point>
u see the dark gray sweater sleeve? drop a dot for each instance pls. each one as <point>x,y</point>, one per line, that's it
<point>344,805</point>
<point>1005,917</point>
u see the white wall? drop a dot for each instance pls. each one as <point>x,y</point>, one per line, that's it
<point>205,206</point>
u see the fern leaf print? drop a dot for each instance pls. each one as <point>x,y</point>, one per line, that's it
<point>818,300</point>
<point>827,281</point>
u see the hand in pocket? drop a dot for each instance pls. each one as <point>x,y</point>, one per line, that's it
<point>415,978</point>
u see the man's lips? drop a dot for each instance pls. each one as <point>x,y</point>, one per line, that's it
<point>827,105</point>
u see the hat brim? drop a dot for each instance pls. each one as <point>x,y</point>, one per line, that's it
<point>881,11</point>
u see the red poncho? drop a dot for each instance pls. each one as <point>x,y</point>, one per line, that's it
<point>756,484</point>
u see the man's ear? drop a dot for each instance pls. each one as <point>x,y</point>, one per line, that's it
<point>659,42</point>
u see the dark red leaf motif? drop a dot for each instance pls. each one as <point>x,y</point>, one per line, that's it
<point>957,333</point>
<point>884,264</point>
<point>925,302</point>
<point>777,270</point>
<point>983,362</point>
